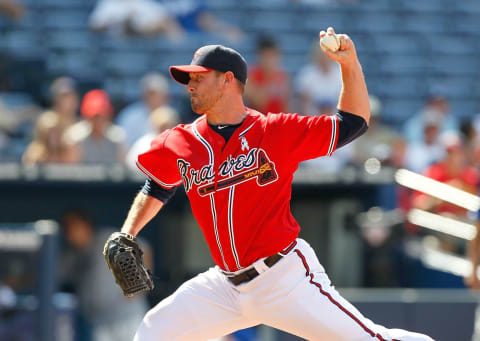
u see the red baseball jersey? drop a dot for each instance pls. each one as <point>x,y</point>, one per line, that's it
<point>240,191</point>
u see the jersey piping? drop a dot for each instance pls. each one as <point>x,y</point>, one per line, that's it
<point>150,175</point>
<point>333,137</point>
<point>245,131</point>
<point>230,225</point>
<point>212,199</point>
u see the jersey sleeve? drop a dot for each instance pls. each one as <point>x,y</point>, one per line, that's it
<point>159,162</point>
<point>304,137</point>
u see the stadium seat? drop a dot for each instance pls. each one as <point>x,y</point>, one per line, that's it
<point>65,19</point>
<point>23,43</point>
<point>464,108</point>
<point>397,43</point>
<point>467,23</point>
<point>397,110</point>
<point>425,23</point>
<point>71,40</point>
<point>395,86</point>
<point>402,64</point>
<point>312,20</point>
<point>454,65</point>
<point>127,63</point>
<point>449,43</point>
<point>422,6</point>
<point>269,22</point>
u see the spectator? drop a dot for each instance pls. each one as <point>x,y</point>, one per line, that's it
<point>48,145</point>
<point>110,315</point>
<point>436,106</point>
<point>12,9</point>
<point>380,141</point>
<point>194,16</point>
<point>161,119</point>
<point>452,170</point>
<point>144,17</point>
<point>134,119</point>
<point>318,84</point>
<point>268,86</point>
<point>96,139</point>
<point>470,137</point>
<point>422,154</point>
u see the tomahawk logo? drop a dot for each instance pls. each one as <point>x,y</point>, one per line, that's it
<point>264,173</point>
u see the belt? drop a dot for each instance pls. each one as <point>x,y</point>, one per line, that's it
<point>250,274</point>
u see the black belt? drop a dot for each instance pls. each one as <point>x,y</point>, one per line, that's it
<point>250,274</point>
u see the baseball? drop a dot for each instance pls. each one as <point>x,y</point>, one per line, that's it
<point>331,42</point>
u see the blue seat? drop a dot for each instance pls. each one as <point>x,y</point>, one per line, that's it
<point>458,87</point>
<point>422,6</point>
<point>223,4</point>
<point>450,44</point>
<point>425,23</point>
<point>316,20</point>
<point>16,99</point>
<point>374,23</point>
<point>127,63</point>
<point>467,23</point>
<point>293,62</point>
<point>394,86</point>
<point>463,107</point>
<point>467,65</point>
<point>296,42</point>
<point>402,64</point>
<point>65,19</point>
<point>265,5</point>
<point>23,43</point>
<point>398,110</point>
<point>71,40</point>
<point>66,4</point>
<point>467,6</point>
<point>271,21</point>
<point>397,43</point>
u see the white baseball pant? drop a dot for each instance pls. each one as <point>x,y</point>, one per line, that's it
<point>295,295</point>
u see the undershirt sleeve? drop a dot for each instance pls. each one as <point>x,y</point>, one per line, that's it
<point>153,189</point>
<point>350,127</point>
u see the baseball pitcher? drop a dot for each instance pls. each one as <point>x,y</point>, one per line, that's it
<point>236,166</point>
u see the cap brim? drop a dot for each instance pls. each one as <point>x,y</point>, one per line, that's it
<point>180,72</point>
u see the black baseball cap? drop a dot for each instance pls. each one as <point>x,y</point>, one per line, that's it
<point>212,57</point>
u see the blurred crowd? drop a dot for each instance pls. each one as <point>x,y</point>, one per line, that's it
<point>89,126</point>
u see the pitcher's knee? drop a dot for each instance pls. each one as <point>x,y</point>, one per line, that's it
<point>154,329</point>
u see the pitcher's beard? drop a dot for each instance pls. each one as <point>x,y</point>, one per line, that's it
<point>196,107</point>
<point>202,106</point>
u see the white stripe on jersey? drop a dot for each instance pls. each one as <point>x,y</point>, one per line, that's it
<point>334,135</point>
<point>245,131</point>
<point>212,199</point>
<point>150,175</point>
<point>230,225</point>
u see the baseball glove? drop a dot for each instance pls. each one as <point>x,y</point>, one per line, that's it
<point>124,258</point>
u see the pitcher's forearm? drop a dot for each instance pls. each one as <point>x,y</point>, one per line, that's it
<point>143,209</point>
<point>354,95</point>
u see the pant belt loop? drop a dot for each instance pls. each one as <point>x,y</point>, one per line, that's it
<point>260,266</point>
